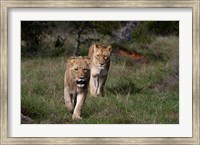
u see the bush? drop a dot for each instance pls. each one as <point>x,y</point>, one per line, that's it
<point>56,51</point>
<point>163,27</point>
<point>146,31</point>
<point>141,34</point>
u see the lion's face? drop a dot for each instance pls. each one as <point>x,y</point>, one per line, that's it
<point>80,70</point>
<point>101,55</point>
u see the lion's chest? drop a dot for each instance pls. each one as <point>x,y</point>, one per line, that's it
<point>99,72</point>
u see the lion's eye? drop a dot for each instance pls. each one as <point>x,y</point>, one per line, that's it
<point>76,69</point>
<point>98,55</point>
<point>105,56</point>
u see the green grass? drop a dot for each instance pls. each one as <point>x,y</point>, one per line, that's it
<point>139,93</point>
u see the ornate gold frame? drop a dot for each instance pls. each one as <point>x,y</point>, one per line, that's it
<point>6,4</point>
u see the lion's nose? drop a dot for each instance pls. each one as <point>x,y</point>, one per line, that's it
<point>81,77</point>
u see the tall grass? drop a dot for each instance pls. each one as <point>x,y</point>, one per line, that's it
<point>140,93</point>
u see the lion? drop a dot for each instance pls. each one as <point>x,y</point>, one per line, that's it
<point>76,80</point>
<point>100,63</point>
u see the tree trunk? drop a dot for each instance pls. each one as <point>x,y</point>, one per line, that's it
<point>78,42</point>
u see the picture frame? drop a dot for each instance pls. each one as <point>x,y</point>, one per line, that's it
<point>195,5</point>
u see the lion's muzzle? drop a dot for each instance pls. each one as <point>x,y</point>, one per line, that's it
<point>101,66</point>
<point>81,83</point>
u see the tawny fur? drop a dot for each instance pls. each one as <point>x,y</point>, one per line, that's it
<point>99,67</point>
<point>75,94</point>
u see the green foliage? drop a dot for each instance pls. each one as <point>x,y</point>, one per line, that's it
<point>24,50</point>
<point>141,34</point>
<point>80,33</point>
<point>83,51</point>
<point>77,32</point>
<point>146,31</point>
<point>30,32</point>
<point>56,51</point>
<point>106,27</point>
<point>164,27</point>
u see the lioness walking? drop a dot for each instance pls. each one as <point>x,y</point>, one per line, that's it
<point>76,82</point>
<point>100,63</point>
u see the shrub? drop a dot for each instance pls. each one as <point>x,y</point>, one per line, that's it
<point>163,27</point>
<point>141,34</point>
<point>56,51</point>
<point>146,31</point>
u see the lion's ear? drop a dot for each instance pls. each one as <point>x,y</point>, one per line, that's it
<point>95,47</point>
<point>87,59</point>
<point>71,60</point>
<point>109,48</point>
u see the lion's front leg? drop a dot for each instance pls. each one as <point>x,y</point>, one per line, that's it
<point>78,106</point>
<point>93,85</point>
<point>68,98</point>
<point>100,89</point>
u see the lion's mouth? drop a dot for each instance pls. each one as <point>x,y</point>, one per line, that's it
<point>80,83</point>
<point>101,66</point>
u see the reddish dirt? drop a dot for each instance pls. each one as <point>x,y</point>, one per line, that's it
<point>132,55</point>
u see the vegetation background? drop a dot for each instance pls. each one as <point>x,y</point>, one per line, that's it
<point>143,81</point>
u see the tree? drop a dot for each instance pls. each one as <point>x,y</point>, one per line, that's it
<point>106,27</point>
<point>80,28</point>
<point>59,41</point>
<point>30,32</point>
